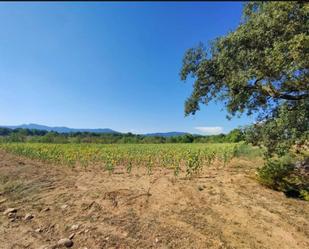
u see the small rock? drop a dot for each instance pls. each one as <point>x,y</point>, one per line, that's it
<point>65,242</point>
<point>72,236</point>
<point>156,240</point>
<point>86,231</point>
<point>64,206</point>
<point>200,188</point>
<point>45,209</point>
<point>74,227</point>
<point>39,230</point>
<point>10,210</point>
<point>43,247</point>
<point>28,216</point>
<point>12,219</point>
<point>11,215</point>
<point>2,200</point>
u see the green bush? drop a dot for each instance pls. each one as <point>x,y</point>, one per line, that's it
<point>304,194</point>
<point>274,172</point>
<point>281,174</point>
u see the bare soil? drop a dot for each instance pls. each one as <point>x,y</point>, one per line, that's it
<point>224,207</point>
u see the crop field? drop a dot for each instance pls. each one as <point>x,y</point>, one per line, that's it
<point>190,158</point>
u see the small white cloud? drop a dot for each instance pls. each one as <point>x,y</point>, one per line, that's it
<point>210,130</point>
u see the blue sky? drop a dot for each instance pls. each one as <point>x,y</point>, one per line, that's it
<point>115,65</point>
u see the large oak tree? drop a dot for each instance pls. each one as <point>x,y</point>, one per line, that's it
<point>261,67</point>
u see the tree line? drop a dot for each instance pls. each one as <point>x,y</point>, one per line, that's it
<point>41,136</point>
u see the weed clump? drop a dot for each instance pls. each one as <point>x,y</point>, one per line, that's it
<point>284,174</point>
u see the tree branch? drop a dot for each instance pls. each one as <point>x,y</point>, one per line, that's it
<point>294,97</point>
<point>272,92</point>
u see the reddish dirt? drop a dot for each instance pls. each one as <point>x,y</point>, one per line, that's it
<point>221,208</point>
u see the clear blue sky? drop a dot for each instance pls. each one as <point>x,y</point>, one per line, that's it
<point>115,65</point>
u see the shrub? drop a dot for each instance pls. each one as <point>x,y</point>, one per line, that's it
<point>273,173</point>
<point>281,174</point>
<point>304,194</point>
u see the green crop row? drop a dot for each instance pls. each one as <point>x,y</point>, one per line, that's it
<point>190,157</point>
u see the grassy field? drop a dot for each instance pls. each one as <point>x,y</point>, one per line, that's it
<point>188,157</point>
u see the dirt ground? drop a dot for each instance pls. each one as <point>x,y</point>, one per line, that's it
<point>221,208</point>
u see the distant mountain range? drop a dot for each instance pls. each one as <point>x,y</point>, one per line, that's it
<point>166,134</point>
<point>104,130</point>
<point>59,129</point>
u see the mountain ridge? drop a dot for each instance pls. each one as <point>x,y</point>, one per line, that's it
<point>59,129</point>
<point>63,129</point>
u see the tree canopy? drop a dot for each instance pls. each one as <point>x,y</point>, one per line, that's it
<point>257,67</point>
